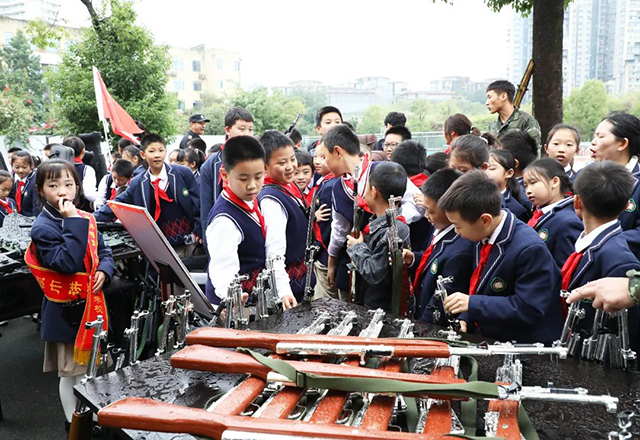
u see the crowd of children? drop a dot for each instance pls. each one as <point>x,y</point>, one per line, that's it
<point>510,229</point>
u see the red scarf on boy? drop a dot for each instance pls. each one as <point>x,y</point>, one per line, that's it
<point>245,207</point>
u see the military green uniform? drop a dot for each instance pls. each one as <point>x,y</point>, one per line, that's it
<point>634,286</point>
<point>518,120</point>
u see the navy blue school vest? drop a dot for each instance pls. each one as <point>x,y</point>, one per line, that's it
<point>296,231</point>
<point>173,222</point>
<point>251,251</point>
<point>80,170</point>
<point>325,191</point>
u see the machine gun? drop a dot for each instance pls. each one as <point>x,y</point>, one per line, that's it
<point>311,248</point>
<point>402,299</point>
<point>356,230</point>
<point>524,85</point>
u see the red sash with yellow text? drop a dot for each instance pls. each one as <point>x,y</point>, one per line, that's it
<point>64,288</point>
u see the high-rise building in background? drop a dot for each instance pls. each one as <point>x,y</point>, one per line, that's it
<point>601,41</point>
<point>46,10</point>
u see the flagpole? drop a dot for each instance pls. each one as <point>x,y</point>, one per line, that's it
<point>106,135</point>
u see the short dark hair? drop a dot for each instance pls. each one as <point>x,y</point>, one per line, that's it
<point>556,128</point>
<point>37,160</point>
<point>14,149</point>
<point>389,178</point>
<point>241,149</point>
<point>304,158</point>
<point>344,137</point>
<point>53,169</point>
<point>626,126</point>
<point>522,145</point>
<point>400,131</point>
<point>471,149</point>
<point>436,161</point>
<point>235,114</point>
<point>471,196</point>
<point>4,176</point>
<point>323,111</point>
<point>74,142</point>
<point>546,169</point>
<point>150,138</point>
<point>460,124</point>
<point>124,143</point>
<point>604,188</point>
<point>506,161</point>
<point>273,140</point>
<point>439,182</point>
<point>395,119</point>
<point>198,144</point>
<point>180,155</point>
<point>503,86</point>
<point>23,154</point>
<point>215,148</point>
<point>194,155</point>
<point>295,135</point>
<point>133,151</point>
<point>411,155</point>
<point>123,167</point>
<point>48,147</point>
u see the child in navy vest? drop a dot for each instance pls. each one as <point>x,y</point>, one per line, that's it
<point>114,183</point>
<point>563,142</point>
<point>601,251</point>
<point>413,157</point>
<point>7,205</point>
<point>514,290</point>
<point>236,229</point>
<point>554,219</point>
<point>323,197</point>
<point>502,169</point>
<point>448,254</point>
<point>237,122</point>
<point>24,186</point>
<point>285,213</point>
<point>168,192</point>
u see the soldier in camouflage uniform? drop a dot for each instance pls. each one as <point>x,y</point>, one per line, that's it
<point>611,294</point>
<point>500,96</point>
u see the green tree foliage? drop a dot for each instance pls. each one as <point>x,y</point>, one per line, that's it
<point>586,107</point>
<point>132,67</point>
<point>373,120</point>
<point>15,119</point>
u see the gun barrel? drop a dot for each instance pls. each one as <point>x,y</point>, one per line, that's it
<point>569,396</point>
<point>504,349</point>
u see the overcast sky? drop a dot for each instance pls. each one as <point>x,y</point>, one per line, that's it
<point>334,42</point>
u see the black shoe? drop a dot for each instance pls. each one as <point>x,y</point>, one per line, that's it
<point>67,426</point>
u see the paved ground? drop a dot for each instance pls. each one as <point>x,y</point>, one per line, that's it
<point>29,397</point>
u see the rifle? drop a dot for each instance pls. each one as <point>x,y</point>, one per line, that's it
<point>293,124</point>
<point>356,230</point>
<point>311,248</point>
<point>402,300</point>
<point>524,85</point>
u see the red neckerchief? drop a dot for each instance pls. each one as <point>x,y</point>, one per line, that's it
<point>77,160</point>
<point>349,182</point>
<point>113,193</point>
<point>291,189</point>
<point>485,251</point>
<point>245,207</point>
<point>568,268</point>
<point>19,188</point>
<point>422,266</point>
<point>159,193</point>
<point>534,219</point>
<point>419,179</point>
<point>6,205</point>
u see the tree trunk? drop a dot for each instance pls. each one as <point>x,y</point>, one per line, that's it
<point>548,17</point>
<point>95,20</point>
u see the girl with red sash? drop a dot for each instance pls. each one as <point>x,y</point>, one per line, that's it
<point>7,205</point>
<point>70,262</point>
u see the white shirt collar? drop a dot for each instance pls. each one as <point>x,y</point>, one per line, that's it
<point>497,231</point>
<point>504,191</point>
<point>439,234</point>
<point>567,168</point>
<point>632,163</point>
<point>548,208</point>
<point>164,177</point>
<point>585,240</point>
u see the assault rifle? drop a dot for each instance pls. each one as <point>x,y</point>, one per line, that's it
<point>311,248</point>
<point>524,85</point>
<point>402,300</point>
<point>356,230</point>
<point>293,124</point>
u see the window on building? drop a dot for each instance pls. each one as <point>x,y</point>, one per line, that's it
<point>178,85</point>
<point>220,84</point>
<point>236,66</point>
<point>8,36</point>
<point>197,86</point>
<point>197,105</point>
<point>176,64</point>
<point>195,65</point>
<point>181,105</point>
<point>219,63</point>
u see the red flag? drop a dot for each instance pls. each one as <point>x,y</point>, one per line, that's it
<point>121,123</point>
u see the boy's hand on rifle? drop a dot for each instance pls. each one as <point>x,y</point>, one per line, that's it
<point>323,213</point>
<point>463,326</point>
<point>407,257</point>
<point>456,303</point>
<point>288,302</point>
<point>353,240</point>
